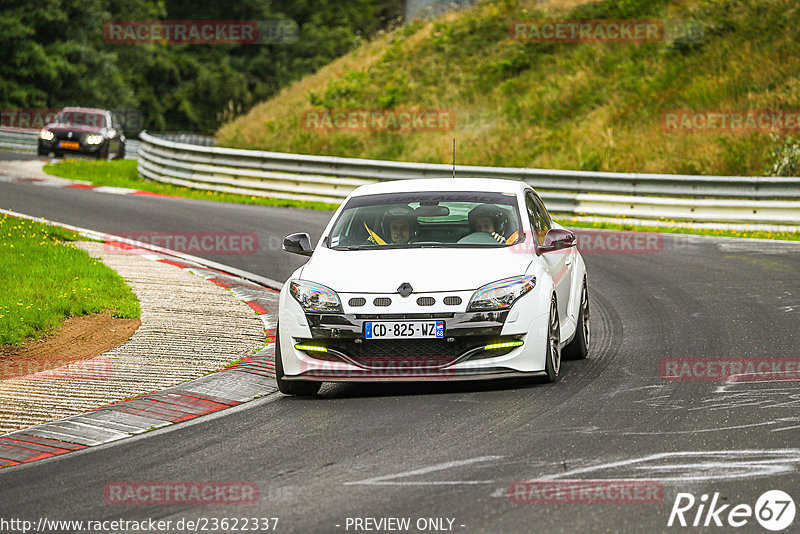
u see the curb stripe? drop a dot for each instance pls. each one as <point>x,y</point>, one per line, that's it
<point>256,307</point>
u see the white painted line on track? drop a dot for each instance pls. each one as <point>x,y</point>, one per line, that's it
<point>114,190</point>
<point>389,480</point>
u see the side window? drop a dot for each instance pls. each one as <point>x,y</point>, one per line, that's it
<point>545,216</point>
<point>538,223</point>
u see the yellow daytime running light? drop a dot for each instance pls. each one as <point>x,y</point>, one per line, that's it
<point>312,348</point>
<point>505,345</point>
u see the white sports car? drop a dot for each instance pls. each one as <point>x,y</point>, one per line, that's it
<point>433,279</point>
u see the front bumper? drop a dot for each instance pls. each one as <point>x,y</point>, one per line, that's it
<point>83,148</point>
<point>466,336</point>
<point>342,354</point>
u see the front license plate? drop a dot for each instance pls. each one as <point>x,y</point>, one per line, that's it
<point>69,144</point>
<point>404,330</point>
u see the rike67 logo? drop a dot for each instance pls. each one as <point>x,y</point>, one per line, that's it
<point>774,510</point>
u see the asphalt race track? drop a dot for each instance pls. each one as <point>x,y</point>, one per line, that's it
<point>451,450</point>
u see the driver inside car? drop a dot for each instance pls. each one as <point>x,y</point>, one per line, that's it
<point>400,225</point>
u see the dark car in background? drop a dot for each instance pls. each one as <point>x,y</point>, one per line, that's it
<point>87,131</point>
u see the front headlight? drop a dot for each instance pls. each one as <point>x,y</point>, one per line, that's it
<point>315,297</point>
<point>46,135</point>
<point>501,294</point>
<point>93,139</point>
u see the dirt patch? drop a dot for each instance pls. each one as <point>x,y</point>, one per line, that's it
<point>78,338</point>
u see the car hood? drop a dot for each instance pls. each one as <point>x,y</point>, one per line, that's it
<point>427,269</point>
<point>63,128</point>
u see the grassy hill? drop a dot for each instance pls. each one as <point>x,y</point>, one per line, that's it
<point>591,106</point>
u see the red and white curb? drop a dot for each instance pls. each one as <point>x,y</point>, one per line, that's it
<point>117,190</point>
<point>246,380</point>
<point>55,181</point>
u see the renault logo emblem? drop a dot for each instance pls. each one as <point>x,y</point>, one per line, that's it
<point>405,289</point>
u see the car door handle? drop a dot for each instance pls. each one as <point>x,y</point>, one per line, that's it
<point>569,261</point>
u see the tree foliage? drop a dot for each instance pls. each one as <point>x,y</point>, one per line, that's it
<point>54,54</point>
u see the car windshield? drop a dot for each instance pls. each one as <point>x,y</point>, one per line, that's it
<point>80,118</point>
<point>427,219</point>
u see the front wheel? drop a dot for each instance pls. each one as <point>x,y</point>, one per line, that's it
<point>290,387</point>
<point>552,365</point>
<point>578,348</point>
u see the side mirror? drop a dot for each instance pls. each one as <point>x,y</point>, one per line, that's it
<point>298,244</point>
<point>557,239</point>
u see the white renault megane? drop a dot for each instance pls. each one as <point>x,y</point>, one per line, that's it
<point>433,279</point>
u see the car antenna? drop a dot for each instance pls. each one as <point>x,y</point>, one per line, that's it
<point>454,157</point>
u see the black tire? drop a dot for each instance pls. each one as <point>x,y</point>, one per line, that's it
<point>552,365</point>
<point>578,348</point>
<point>291,387</point>
<point>44,153</point>
<point>121,152</point>
<point>103,153</point>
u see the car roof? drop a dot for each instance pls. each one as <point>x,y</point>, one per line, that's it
<point>88,110</point>
<point>492,185</point>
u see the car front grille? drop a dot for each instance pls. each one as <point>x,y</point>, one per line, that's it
<point>418,353</point>
<point>388,301</point>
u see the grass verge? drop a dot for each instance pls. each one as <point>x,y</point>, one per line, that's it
<point>44,280</point>
<point>554,105</point>
<point>122,173</point>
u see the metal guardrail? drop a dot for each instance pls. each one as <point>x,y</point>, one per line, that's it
<point>740,199</point>
<point>20,140</point>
